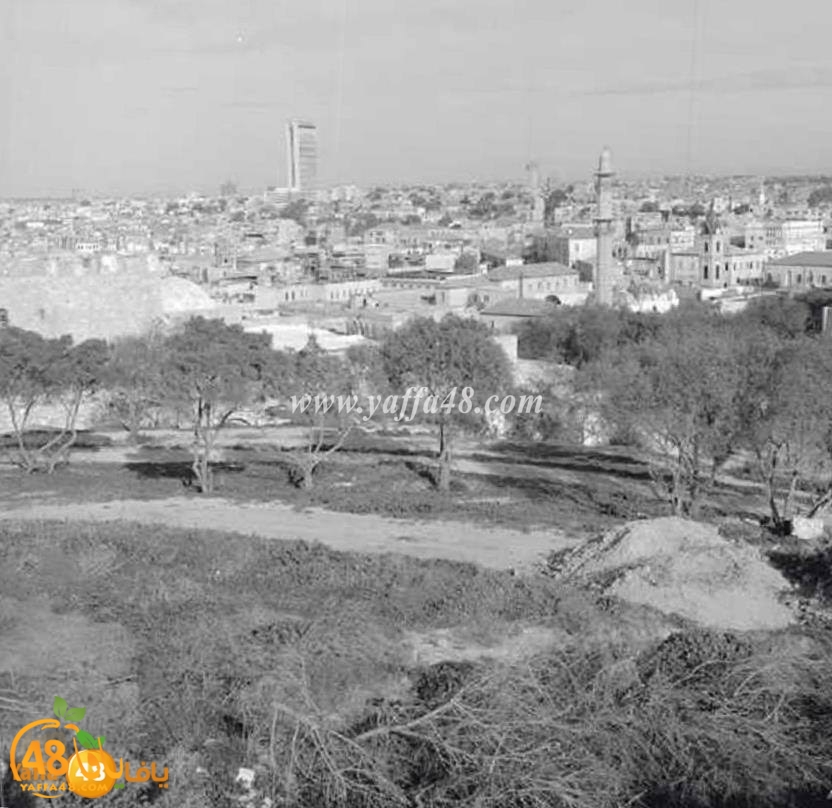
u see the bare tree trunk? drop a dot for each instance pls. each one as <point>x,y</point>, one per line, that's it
<point>202,448</point>
<point>772,502</point>
<point>60,454</point>
<point>820,503</point>
<point>678,482</point>
<point>788,499</point>
<point>715,466</point>
<point>444,480</point>
<point>307,470</point>
<point>677,498</point>
<point>197,445</point>
<point>197,465</point>
<point>694,485</point>
<point>134,423</point>
<point>25,458</point>
<point>207,473</point>
<point>767,468</point>
<point>306,462</point>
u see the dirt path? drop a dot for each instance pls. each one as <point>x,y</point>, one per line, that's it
<point>458,541</point>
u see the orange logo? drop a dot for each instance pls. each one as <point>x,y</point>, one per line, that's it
<point>91,773</point>
<point>41,766</point>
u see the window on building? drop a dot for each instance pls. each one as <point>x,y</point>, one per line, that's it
<point>705,272</point>
<point>800,279</point>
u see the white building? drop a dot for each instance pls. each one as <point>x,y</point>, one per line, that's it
<point>302,156</point>
<point>793,236</point>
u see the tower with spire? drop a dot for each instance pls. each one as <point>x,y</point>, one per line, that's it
<point>604,230</point>
<point>716,268</point>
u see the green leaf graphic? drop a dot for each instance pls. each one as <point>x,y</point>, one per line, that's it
<point>102,739</point>
<point>119,785</point>
<point>86,740</point>
<point>59,707</point>
<point>76,713</point>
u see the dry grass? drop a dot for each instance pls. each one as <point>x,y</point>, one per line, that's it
<point>289,658</point>
<point>579,730</point>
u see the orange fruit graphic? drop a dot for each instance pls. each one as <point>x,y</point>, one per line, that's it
<point>91,773</point>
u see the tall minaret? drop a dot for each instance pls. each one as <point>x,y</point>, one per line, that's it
<point>538,211</point>
<point>604,230</point>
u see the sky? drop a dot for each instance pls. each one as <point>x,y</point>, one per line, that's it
<point>168,96</point>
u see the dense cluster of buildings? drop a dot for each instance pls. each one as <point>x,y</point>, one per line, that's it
<point>356,262</point>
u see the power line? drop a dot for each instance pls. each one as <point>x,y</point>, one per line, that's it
<point>694,54</point>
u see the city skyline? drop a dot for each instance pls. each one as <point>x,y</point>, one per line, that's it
<point>165,96</point>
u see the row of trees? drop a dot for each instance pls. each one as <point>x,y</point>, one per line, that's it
<point>580,335</point>
<point>694,387</point>
<point>206,373</point>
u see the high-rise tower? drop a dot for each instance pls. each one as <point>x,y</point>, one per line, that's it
<point>604,230</point>
<point>302,154</point>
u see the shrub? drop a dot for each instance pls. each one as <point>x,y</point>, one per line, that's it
<point>582,729</point>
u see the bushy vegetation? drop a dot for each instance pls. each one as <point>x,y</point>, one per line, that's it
<point>442,361</point>
<point>206,372</point>
<point>820,196</point>
<point>35,370</point>
<point>693,386</point>
<point>579,335</point>
<point>690,388</point>
<point>292,659</point>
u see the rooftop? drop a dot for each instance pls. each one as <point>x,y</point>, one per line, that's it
<point>577,231</point>
<point>544,270</point>
<point>519,307</point>
<point>805,259</point>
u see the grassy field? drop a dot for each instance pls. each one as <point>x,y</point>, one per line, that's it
<point>319,669</point>
<point>210,652</point>
<point>520,486</point>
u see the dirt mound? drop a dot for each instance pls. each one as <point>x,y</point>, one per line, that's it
<point>683,568</point>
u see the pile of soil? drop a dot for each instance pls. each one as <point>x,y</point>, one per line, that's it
<point>682,568</point>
